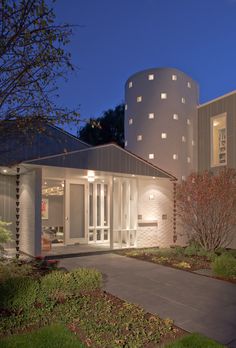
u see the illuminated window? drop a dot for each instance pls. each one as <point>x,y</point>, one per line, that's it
<point>139,137</point>
<point>126,143</point>
<point>175,117</point>
<point>174,77</point>
<point>151,156</point>
<point>188,159</point>
<point>218,140</point>
<point>183,139</point>
<point>151,115</point>
<point>151,77</point>
<point>163,95</point>
<point>163,135</point>
<point>139,99</point>
<point>189,85</point>
<point>183,100</point>
<point>175,156</point>
<point>183,177</point>
<point>130,121</point>
<point>188,122</point>
<point>126,107</point>
<point>193,143</point>
<point>130,84</point>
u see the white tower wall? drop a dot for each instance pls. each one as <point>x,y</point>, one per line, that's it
<point>164,128</point>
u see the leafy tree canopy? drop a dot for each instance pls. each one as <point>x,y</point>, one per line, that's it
<point>105,129</point>
<point>32,59</point>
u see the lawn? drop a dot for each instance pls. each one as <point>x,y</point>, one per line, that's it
<point>55,336</point>
<point>222,262</point>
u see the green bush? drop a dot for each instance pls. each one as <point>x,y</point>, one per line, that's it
<point>191,250</point>
<point>18,293</point>
<point>84,279</point>
<point>57,285</point>
<point>13,269</point>
<point>224,265</point>
<point>54,287</point>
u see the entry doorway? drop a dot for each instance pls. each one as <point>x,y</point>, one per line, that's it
<point>75,212</point>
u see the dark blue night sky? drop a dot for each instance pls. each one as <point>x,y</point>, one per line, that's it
<point>120,37</point>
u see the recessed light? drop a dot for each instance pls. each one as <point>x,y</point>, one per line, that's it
<point>4,170</point>
<point>154,177</point>
<point>133,175</point>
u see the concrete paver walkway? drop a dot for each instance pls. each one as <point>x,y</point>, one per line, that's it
<point>196,303</point>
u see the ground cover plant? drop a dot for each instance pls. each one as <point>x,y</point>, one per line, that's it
<point>75,300</point>
<point>222,262</point>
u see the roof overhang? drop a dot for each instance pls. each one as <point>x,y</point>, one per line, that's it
<point>105,158</point>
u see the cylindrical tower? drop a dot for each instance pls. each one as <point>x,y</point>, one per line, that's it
<point>161,119</point>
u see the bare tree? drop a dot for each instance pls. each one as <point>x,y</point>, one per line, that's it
<point>206,204</point>
<point>32,59</point>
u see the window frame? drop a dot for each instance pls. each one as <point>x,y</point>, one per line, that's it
<point>212,119</point>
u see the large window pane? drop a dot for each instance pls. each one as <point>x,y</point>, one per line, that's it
<point>98,204</point>
<point>90,204</point>
<point>218,140</point>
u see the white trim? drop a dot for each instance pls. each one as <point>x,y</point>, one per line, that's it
<point>216,99</point>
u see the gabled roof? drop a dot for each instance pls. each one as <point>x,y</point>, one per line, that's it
<point>106,158</point>
<point>17,146</point>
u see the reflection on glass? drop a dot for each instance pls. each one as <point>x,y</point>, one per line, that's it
<point>98,204</point>
<point>105,205</point>
<point>90,204</point>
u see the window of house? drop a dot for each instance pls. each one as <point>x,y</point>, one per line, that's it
<point>183,139</point>
<point>151,77</point>
<point>183,177</point>
<point>163,95</point>
<point>126,143</point>
<point>183,100</point>
<point>130,121</point>
<point>188,122</point>
<point>193,143</point>
<point>175,116</point>
<point>175,156</point>
<point>151,115</point>
<point>139,99</point>
<point>163,135</point>
<point>218,140</point>
<point>130,84</point>
<point>151,156</point>
<point>126,107</point>
<point>139,137</point>
<point>174,77</point>
<point>189,84</point>
<point>188,159</point>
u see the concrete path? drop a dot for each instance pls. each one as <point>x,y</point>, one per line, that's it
<point>196,303</point>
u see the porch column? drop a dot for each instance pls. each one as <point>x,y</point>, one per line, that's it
<point>111,213</point>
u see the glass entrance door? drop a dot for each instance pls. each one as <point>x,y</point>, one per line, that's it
<point>75,212</point>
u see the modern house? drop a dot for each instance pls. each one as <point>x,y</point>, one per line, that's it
<point>55,187</point>
<point>58,188</point>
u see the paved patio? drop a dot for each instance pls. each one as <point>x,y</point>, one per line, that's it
<point>196,303</point>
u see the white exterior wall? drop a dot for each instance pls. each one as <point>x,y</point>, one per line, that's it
<point>156,209</point>
<point>139,85</point>
<point>30,212</point>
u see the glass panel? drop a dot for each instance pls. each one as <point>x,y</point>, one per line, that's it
<point>105,205</point>
<point>77,213</point>
<point>90,235</point>
<point>218,140</point>
<point>99,234</point>
<point>90,204</point>
<point>105,234</point>
<point>98,204</point>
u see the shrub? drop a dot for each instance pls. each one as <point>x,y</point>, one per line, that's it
<point>191,250</point>
<point>224,265</point>
<point>14,269</point>
<point>18,293</point>
<point>57,285</point>
<point>84,279</point>
<point>54,287</point>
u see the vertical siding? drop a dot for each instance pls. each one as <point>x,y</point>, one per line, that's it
<point>30,219</point>
<point>8,202</point>
<point>228,105</point>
